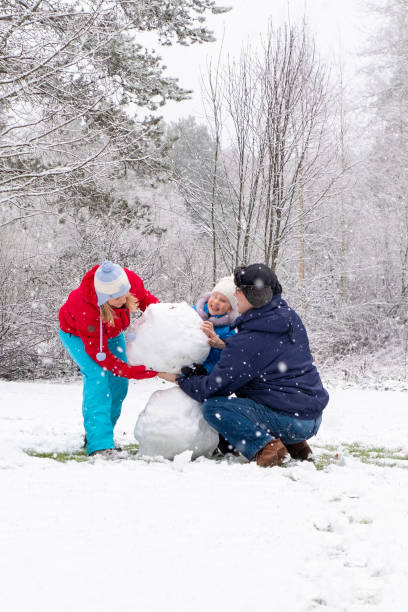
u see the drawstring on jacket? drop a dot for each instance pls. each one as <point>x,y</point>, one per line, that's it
<point>290,333</point>
<point>101,356</point>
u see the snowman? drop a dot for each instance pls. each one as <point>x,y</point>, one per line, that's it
<point>166,338</point>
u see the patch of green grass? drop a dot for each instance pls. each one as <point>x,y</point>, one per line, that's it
<point>383,457</point>
<point>374,455</point>
<point>79,456</point>
<point>322,461</point>
<point>371,455</point>
<point>361,521</point>
<point>131,449</point>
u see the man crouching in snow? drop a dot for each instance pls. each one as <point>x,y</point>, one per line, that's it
<point>268,365</point>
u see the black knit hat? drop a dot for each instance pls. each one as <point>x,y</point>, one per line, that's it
<point>258,283</point>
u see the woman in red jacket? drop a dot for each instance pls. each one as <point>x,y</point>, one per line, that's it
<point>92,322</point>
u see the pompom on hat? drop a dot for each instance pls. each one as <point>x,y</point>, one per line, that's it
<point>110,281</point>
<point>226,286</point>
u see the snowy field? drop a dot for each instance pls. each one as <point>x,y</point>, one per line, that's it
<point>204,536</point>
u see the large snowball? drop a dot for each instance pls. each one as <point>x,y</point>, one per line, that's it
<point>167,337</point>
<point>172,423</point>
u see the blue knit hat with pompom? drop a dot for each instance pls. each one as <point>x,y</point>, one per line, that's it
<point>110,281</point>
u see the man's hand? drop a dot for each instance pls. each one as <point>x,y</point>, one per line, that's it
<point>196,370</point>
<point>213,340</point>
<point>168,376</point>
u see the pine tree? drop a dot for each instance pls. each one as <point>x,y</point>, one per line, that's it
<point>73,79</point>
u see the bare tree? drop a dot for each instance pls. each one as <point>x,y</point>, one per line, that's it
<point>269,112</point>
<point>387,161</point>
<point>293,97</point>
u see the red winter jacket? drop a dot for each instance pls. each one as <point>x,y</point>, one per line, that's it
<point>80,316</point>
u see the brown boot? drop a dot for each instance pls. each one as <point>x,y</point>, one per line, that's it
<point>301,451</point>
<point>271,454</point>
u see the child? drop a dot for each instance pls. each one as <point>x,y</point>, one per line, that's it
<point>218,310</point>
<point>92,322</point>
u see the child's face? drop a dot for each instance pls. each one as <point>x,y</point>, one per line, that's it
<point>218,304</point>
<point>117,302</point>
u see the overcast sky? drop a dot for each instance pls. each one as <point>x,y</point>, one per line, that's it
<point>337,24</point>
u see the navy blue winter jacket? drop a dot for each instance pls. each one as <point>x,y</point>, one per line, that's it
<point>268,361</point>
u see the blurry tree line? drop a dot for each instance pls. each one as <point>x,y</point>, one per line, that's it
<point>285,170</point>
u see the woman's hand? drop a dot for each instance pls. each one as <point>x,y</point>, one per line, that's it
<point>213,340</point>
<point>168,376</point>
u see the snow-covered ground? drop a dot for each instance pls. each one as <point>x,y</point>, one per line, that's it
<point>203,536</point>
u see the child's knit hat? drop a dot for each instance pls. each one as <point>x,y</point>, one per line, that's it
<point>226,286</point>
<point>110,281</point>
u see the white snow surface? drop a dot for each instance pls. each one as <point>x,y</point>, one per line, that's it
<point>204,535</point>
<point>173,423</point>
<point>166,337</point>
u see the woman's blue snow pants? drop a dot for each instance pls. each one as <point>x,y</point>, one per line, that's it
<point>103,392</point>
